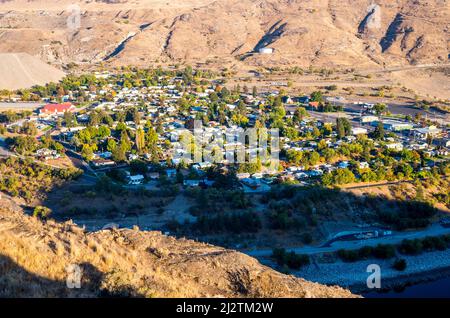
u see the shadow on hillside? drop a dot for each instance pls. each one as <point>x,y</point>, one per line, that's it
<point>17,282</point>
<point>224,218</point>
<point>292,210</point>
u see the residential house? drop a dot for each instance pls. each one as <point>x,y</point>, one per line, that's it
<point>423,133</point>
<point>136,179</point>
<point>359,131</point>
<point>57,109</point>
<point>397,146</point>
<point>101,163</point>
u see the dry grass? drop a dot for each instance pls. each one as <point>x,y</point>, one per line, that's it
<point>34,257</point>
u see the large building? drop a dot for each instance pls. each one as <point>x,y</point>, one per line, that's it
<point>359,131</point>
<point>394,125</point>
<point>57,109</point>
<point>423,133</point>
<point>369,119</point>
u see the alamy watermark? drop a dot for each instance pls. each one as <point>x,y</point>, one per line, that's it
<point>74,274</point>
<point>74,19</point>
<point>374,18</point>
<point>374,279</point>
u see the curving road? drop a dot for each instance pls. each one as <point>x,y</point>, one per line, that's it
<point>396,238</point>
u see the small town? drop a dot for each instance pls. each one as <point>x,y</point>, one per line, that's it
<point>225,155</point>
<point>132,131</point>
<point>108,123</point>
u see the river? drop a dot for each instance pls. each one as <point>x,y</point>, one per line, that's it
<point>435,289</point>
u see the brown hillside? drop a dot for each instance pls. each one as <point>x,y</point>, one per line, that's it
<point>34,257</point>
<point>302,32</point>
<point>21,70</point>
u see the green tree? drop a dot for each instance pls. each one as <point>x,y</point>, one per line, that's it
<point>340,129</point>
<point>140,140</point>
<point>254,91</point>
<point>94,119</point>
<point>378,133</point>
<point>69,119</point>
<point>314,158</point>
<point>111,145</point>
<point>125,142</point>
<point>379,108</point>
<point>151,141</point>
<point>29,128</point>
<point>343,176</point>
<point>300,114</point>
<point>317,96</point>
<point>87,152</point>
<point>41,212</point>
<point>119,154</point>
<point>294,156</point>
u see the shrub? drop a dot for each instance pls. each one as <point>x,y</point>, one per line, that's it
<point>307,238</point>
<point>411,247</point>
<point>348,255</point>
<point>431,243</point>
<point>240,222</point>
<point>278,255</point>
<point>291,259</point>
<point>384,251</point>
<point>41,212</point>
<point>296,261</point>
<point>400,264</point>
<point>365,252</point>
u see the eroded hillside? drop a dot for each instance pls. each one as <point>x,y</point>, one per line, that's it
<point>302,32</point>
<point>35,257</point>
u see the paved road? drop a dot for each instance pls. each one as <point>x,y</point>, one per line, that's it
<point>77,159</point>
<point>19,106</point>
<point>4,152</point>
<point>402,109</point>
<point>397,237</point>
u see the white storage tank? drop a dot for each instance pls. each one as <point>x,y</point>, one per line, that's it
<point>266,50</point>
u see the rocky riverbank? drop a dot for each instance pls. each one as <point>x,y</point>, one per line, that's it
<point>420,268</point>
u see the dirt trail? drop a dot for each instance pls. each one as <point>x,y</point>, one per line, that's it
<point>178,209</point>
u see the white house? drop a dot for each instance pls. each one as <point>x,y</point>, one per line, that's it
<point>133,157</point>
<point>369,119</point>
<point>395,146</point>
<point>191,183</point>
<point>359,131</point>
<point>363,165</point>
<point>135,180</point>
<point>423,133</point>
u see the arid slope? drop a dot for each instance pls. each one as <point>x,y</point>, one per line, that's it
<point>358,33</point>
<point>23,70</point>
<point>35,258</point>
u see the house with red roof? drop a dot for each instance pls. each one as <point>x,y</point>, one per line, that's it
<point>314,105</point>
<point>57,109</point>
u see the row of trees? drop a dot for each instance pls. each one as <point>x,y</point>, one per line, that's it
<point>406,247</point>
<point>290,259</point>
<point>381,251</point>
<point>237,222</point>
